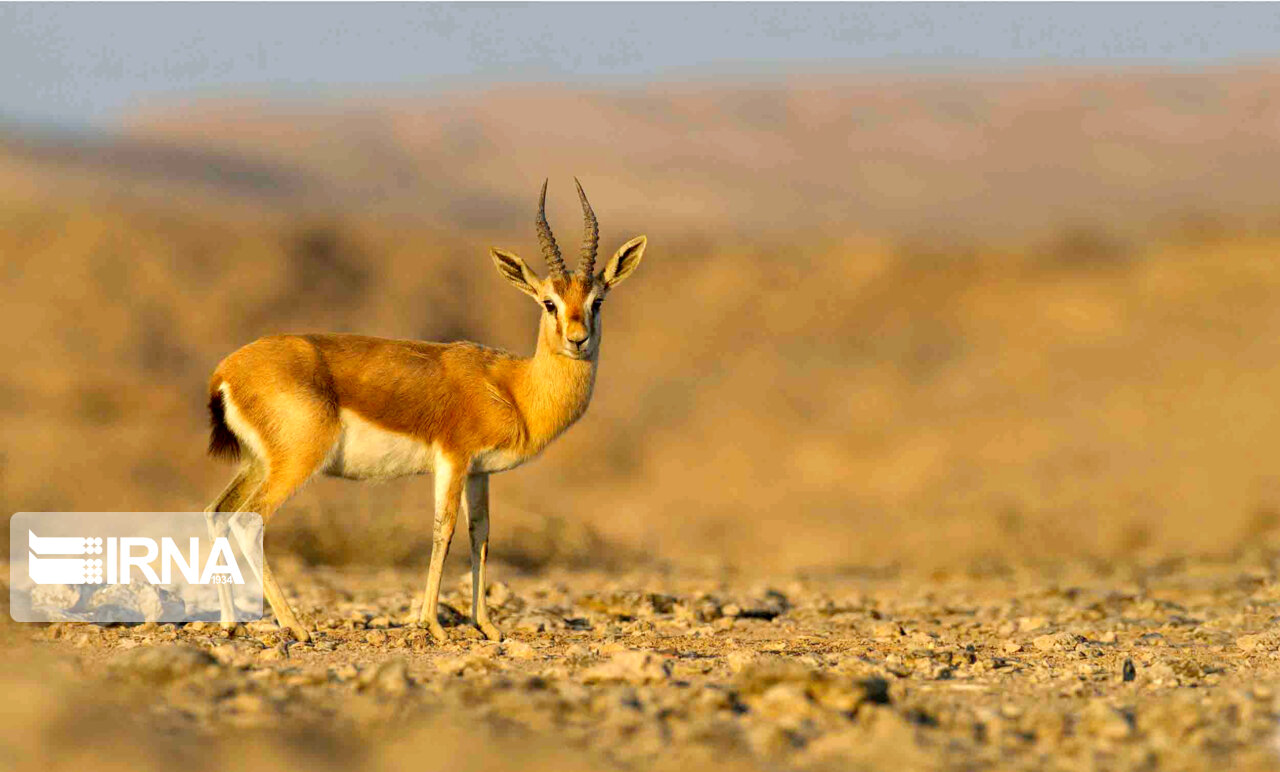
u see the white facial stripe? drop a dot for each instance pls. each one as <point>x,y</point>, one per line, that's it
<point>589,305</point>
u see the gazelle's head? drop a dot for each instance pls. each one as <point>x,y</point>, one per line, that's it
<point>570,302</point>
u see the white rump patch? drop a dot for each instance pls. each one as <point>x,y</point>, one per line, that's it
<point>242,429</point>
<point>366,451</point>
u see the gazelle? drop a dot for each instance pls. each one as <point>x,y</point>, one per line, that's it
<point>292,406</point>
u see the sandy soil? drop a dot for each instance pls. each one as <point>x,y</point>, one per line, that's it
<point>1169,666</point>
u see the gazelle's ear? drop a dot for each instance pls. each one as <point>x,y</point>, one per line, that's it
<point>623,262</point>
<point>515,271</point>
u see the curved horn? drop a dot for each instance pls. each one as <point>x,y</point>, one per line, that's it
<point>550,250</point>
<point>590,235</point>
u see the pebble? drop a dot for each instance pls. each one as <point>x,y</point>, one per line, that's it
<point>634,667</point>
<point>1251,642</point>
<point>390,678</point>
<point>276,653</point>
<point>165,663</point>
<point>518,650</point>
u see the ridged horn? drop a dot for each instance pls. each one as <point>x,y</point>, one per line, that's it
<point>590,235</point>
<point>550,250</point>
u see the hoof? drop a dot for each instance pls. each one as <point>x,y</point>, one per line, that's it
<point>437,633</point>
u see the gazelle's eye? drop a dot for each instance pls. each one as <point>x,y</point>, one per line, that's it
<point>551,307</point>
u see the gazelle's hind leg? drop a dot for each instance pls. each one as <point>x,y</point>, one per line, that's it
<point>230,500</point>
<point>283,479</point>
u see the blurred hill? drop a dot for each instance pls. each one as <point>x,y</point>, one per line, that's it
<point>930,321</point>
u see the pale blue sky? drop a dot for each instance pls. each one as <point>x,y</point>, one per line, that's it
<point>85,64</point>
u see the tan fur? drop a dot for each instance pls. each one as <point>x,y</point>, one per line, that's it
<point>363,407</point>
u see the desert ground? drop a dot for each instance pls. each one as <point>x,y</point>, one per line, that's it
<point>1169,666</point>
<point>936,430</point>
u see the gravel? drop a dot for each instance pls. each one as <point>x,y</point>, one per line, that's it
<point>1081,667</point>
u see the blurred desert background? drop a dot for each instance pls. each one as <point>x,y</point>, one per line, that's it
<point>936,429</point>
<point>932,322</point>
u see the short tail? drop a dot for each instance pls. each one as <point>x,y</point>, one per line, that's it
<point>222,442</point>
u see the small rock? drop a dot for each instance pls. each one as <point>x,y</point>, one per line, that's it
<point>1054,641</point>
<point>740,660</point>
<point>1161,674</point>
<point>530,625</point>
<point>247,704</point>
<point>467,664</point>
<point>274,654</point>
<point>634,667</point>
<point>1251,642</point>
<point>518,650</point>
<point>786,703</point>
<point>1128,672</point>
<point>468,632</point>
<point>1102,720</point>
<point>55,597</point>
<point>264,627</point>
<point>887,629</point>
<point>389,678</point>
<point>922,640</point>
<point>767,739</point>
<point>308,677</point>
<point>376,637</point>
<point>163,664</point>
<point>875,690</point>
<point>134,602</point>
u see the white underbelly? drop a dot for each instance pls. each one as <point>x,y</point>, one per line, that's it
<point>366,451</point>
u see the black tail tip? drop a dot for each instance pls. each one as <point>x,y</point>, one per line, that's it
<point>222,442</point>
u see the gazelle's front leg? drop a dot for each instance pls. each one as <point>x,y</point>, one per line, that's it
<point>477,501</point>
<point>451,475</point>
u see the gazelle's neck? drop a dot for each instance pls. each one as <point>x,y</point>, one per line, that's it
<point>553,391</point>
